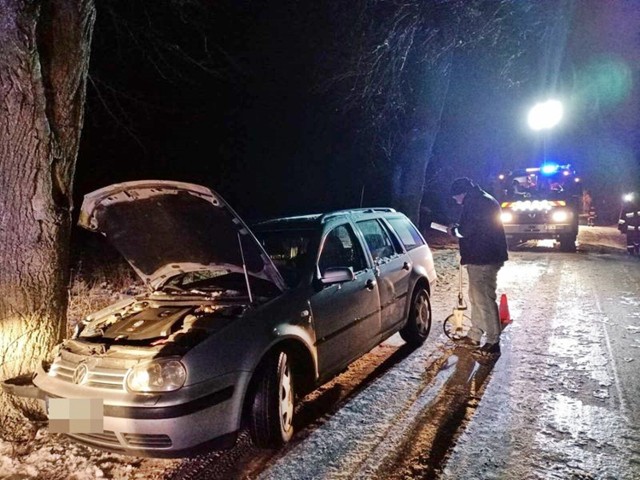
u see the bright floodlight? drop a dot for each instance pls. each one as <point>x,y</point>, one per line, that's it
<point>627,197</point>
<point>545,115</point>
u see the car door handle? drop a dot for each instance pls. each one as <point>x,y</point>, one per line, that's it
<point>406,266</point>
<point>371,284</point>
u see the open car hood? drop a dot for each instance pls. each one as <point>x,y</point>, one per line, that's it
<point>164,228</point>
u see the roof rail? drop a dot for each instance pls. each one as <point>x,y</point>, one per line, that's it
<point>336,213</point>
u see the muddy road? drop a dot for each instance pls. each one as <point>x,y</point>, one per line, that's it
<point>563,400</point>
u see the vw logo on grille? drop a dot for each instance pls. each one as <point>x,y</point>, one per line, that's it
<point>80,374</point>
<point>532,215</point>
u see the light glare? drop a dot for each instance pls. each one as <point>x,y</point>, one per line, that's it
<point>550,168</point>
<point>506,217</point>
<point>545,115</point>
<point>560,216</point>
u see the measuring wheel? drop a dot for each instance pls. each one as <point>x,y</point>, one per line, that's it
<point>456,325</point>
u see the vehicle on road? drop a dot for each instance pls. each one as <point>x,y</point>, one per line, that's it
<point>541,203</point>
<point>235,326</point>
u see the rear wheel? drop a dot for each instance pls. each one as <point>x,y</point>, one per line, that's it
<point>271,423</point>
<point>418,325</point>
<point>568,243</point>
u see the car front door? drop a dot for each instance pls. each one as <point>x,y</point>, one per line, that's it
<point>392,267</point>
<point>346,316</point>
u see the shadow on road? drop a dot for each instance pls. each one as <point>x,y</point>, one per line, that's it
<point>426,448</point>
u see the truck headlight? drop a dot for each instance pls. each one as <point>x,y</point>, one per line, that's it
<point>560,216</point>
<point>506,217</point>
<point>161,375</point>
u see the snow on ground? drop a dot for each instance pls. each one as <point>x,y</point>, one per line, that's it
<point>53,457</point>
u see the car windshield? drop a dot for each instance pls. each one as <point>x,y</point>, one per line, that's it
<point>289,251</point>
<point>532,186</point>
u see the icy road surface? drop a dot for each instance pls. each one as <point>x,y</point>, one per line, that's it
<point>563,400</point>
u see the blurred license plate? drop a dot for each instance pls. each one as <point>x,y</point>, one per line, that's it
<point>75,415</point>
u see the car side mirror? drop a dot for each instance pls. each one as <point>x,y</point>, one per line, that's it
<point>337,275</point>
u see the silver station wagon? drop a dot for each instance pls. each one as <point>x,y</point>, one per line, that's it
<point>237,324</point>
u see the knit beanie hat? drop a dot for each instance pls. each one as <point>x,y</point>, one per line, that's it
<point>461,185</point>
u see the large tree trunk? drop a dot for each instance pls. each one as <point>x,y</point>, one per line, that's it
<point>416,145</point>
<point>44,59</point>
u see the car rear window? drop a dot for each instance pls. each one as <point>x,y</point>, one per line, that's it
<point>407,232</point>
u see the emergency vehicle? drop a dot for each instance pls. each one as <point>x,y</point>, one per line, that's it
<point>629,222</point>
<point>541,203</point>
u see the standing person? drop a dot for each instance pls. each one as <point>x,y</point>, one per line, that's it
<point>483,249</point>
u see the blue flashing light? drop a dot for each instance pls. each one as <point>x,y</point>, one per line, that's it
<point>549,169</point>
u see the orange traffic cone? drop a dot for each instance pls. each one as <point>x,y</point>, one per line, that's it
<point>505,317</point>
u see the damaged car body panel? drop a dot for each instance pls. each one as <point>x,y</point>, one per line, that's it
<point>231,331</point>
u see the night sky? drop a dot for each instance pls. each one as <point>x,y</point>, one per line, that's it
<point>230,97</point>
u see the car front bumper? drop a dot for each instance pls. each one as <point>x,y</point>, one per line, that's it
<point>179,424</point>
<point>538,230</point>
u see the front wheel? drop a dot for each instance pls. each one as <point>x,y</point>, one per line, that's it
<point>512,243</point>
<point>271,424</point>
<point>418,325</point>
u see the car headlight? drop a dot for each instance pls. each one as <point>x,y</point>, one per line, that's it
<point>560,216</point>
<point>506,217</point>
<point>161,375</point>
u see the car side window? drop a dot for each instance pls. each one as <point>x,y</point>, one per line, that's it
<point>380,244</point>
<point>409,235</point>
<point>341,249</point>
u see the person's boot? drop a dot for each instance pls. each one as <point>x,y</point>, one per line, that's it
<point>489,350</point>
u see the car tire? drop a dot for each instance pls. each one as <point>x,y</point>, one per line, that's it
<point>568,243</point>
<point>271,422</point>
<point>418,325</point>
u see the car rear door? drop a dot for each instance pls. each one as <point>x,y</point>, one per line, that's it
<point>346,316</point>
<point>392,268</point>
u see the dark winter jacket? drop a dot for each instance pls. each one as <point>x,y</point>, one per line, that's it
<point>480,231</point>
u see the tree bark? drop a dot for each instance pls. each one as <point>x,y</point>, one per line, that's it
<point>44,59</point>
<point>416,145</point>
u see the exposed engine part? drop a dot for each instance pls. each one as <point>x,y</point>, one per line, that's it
<point>147,324</point>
